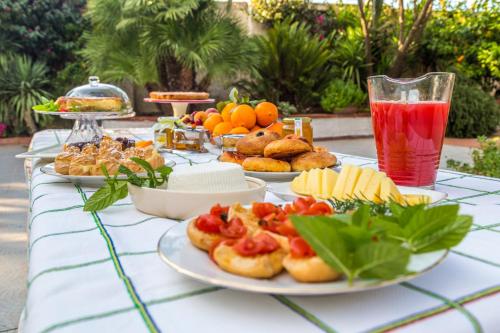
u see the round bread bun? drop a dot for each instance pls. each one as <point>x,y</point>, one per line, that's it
<point>200,239</point>
<point>313,160</point>
<point>286,148</point>
<point>261,266</point>
<point>264,164</point>
<point>312,269</point>
<point>253,144</point>
<point>232,157</point>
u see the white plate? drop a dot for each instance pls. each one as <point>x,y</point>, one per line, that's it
<point>49,169</point>
<point>49,152</point>
<point>281,176</point>
<point>284,192</point>
<point>177,251</point>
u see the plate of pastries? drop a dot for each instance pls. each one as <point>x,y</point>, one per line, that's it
<point>241,247</point>
<point>81,162</point>
<point>178,96</point>
<point>264,154</point>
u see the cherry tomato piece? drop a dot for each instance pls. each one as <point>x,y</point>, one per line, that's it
<point>219,210</point>
<point>269,244</point>
<point>233,229</point>
<point>209,223</point>
<point>319,208</point>
<point>300,249</point>
<point>302,204</point>
<point>261,209</point>
<point>286,228</point>
<point>247,247</point>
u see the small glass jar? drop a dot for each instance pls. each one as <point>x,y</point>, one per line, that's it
<point>229,142</point>
<point>190,139</point>
<point>164,132</point>
<point>300,126</point>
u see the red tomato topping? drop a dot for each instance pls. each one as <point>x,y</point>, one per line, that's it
<point>209,223</point>
<point>319,208</point>
<point>286,228</point>
<point>260,244</point>
<point>219,210</point>
<point>300,249</point>
<point>233,229</point>
<point>302,204</point>
<point>261,209</point>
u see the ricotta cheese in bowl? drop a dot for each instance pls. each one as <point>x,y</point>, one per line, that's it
<point>207,177</point>
<point>192,190</point>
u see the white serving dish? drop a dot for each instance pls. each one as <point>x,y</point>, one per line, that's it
<point>180,205</point>
<point>177,251</point>
<point>284,192</point>
<point>282,176</point>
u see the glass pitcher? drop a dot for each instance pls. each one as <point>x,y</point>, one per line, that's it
<point>409,118</point>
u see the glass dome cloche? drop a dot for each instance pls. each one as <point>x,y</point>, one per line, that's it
<point>95,97</point>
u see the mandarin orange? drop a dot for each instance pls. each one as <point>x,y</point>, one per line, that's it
<point>243,116</point>
<point>213,120</point>
<point>255,128</point>
<point>226,111</point>
<point>200,115</point>
<point>267,113</point>
<point>222,128</point>
<point>239,130</point>
<point>276,127</point>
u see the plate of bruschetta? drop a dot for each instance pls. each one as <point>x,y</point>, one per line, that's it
<point>257,249</point>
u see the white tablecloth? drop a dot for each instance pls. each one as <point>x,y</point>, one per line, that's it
<point>101,273</point>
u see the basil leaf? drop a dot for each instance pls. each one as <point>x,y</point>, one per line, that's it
<point>381,260</point>
<point>321,234</point>
<point>105,197</point>
<point>425,222</point>
<point>354,236</point>
<point>446,237</point>
<point>131,176</point>
<point>387,227</point>
<point>149,170</point>
<point>164,170</point>
<point>361,216</point>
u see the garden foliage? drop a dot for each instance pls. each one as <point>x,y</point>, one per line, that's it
<point>340,94</point>
<point>486,159</point>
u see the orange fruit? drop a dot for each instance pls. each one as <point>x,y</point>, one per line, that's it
<point>222,128</point>
<point>200,115</point>
<point>255,128</point>
<point>276,127</point>
<point>226,112</point>
<point>267,113</point>
<point>239,130</point>
<point>213,120</point>
<point>243,116</point>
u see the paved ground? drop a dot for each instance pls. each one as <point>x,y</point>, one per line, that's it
<point>14,205</point>
<point>13,239</point>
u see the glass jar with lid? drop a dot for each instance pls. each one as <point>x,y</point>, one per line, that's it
<point>300,126</point>
<point>190,139</point>
<point>164,132</point>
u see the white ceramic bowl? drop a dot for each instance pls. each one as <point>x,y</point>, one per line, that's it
<point>181,205</point>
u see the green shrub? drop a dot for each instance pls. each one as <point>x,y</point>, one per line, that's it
<point>486,159</point>
<point>340,94</point>
<point>292,66</point>
<point>473,111</point>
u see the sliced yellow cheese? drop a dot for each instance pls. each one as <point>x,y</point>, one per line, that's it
<point>314,182</point>
<point>415,199</point>
<point>338,189</point>
<point>351,182</point>
<point>363,181</point>
<point>372,191</point>
<point>299,183</point>
<point>389,191</point>
<point>328,183</point>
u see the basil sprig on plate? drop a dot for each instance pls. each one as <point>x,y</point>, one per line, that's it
<point>367,244</point>
<point>47,106</point>
<point>115,189</point>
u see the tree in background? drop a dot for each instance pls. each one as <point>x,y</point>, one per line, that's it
<point>171,44</point>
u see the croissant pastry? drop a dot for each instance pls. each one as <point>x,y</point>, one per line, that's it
<point>81,165</point>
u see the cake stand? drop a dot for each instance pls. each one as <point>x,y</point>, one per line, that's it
<point>85,127</point>
<point>179,106</point>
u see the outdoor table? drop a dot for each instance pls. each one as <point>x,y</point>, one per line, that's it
<point>100,272</point>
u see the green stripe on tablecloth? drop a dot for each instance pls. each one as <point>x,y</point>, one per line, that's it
<point>131,224</point>
<point>486,227</point>
<point>472,319</point>
<point>58,234</point>
<point>86,264</point>
<point>136,300</point>
<point>435,310</point>
<point>38,197</point>
<point>464,188</point>
<point>55,210</point>
<point>447,179</point>
<point>475,258</point>
<point>304,313</point>
<point>128,309</point>
<point>49,183</point>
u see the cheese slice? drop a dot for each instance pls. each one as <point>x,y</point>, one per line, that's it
<point>338,189</point>
<point>415,199</point>
<point>364,178</point>
<point>351,182</point>
<point>389,191</point>
<point>328,183</point>
<point>299,183</point>
<point>314,182</point>
<point>372,191</point>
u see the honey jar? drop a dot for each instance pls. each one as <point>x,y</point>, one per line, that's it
<point>300,126</point>
<point>190,139</point>
<point>229,142</point>
<point>164,132</point>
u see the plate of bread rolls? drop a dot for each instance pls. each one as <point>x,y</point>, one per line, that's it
<point>255,248</point>
<point>264,154</point>
<point>82,162</point>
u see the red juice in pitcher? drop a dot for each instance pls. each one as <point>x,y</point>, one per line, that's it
<point>409,138</point>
